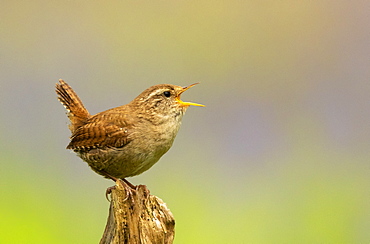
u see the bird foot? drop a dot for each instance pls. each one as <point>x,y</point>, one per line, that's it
<point>109,191</point>
<point>129,189</point>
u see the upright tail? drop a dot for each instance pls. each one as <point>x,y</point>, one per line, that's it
<point>76,111</point>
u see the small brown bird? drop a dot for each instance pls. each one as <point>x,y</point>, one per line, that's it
<point>126,140</point>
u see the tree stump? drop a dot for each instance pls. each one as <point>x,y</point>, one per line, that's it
<point>136,217</point>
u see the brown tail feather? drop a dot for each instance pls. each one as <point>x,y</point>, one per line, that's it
<point>76,111</point>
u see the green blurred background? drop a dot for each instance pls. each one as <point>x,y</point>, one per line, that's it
<point>279,155</point>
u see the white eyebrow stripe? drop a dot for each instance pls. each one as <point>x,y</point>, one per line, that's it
<point>156,92</point>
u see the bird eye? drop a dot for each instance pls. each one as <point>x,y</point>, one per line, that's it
<point>167,94</point>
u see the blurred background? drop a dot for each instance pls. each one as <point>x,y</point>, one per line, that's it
<point>279,155</point>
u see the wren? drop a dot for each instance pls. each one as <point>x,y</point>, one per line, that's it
<point>127,140</point>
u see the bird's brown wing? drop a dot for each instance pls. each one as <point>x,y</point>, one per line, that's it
<point>99,134</point>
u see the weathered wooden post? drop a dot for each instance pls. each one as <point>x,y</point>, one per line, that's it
<point>136,217</point>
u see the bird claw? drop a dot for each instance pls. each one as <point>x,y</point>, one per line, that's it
<point>109,191</point>
<point>127,185</point>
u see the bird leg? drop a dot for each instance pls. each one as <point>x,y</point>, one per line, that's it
<point>115,179</point>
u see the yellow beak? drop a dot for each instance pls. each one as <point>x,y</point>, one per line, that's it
<point>187,103</point>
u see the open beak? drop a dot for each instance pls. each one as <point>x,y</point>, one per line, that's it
<point>186,104</point>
